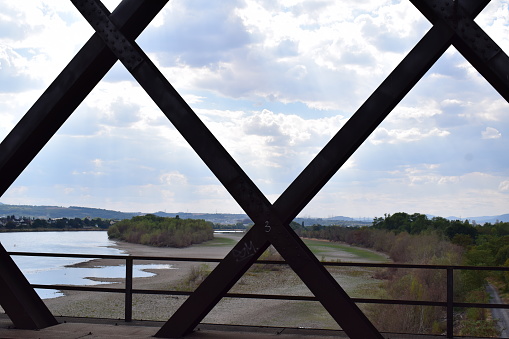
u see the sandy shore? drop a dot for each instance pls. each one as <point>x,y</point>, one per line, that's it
<point>228,311</point>
<point>146,307</point>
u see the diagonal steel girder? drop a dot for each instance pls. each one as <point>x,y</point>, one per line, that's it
<point>68,90</point>
<point>249,250</point>
<point>19,300</point>
<point>470,40</point>
<point>318,172</point>
<point>240,186</point>
<point>40,123</point>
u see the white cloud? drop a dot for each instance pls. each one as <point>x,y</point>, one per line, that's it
<point>491,133</point>
<point>424,111</point>
<point>493,110</point>
<point>382,135</point>
<point>98,162</point>
<point>40,28</point>
<point>504,186</point>
<point>173,178</point>
<point>93,173</point>
<point>494,19</point>
<point>274,81</point>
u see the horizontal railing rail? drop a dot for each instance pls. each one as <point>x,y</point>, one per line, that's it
<point>128,290</point>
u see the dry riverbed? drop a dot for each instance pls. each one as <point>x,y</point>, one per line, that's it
<point>358,282</point>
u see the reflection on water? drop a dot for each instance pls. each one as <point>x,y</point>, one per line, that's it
<point>47,270</point>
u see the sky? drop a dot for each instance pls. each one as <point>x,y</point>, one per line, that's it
<point>274,81</point>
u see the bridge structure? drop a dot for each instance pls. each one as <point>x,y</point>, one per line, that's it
<point>114,39</point>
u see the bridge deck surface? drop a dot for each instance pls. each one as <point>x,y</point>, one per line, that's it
<point>106,328</point>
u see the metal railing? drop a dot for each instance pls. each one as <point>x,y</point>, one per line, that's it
<point>449,303</point>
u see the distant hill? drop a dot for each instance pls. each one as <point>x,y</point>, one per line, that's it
<point>485,219</point>
<point>53,212</point>
<point>45,212</point>
<point>217,218</point>
<point>339,220</point>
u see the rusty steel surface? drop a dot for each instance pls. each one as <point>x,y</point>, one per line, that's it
<point>453,24</point>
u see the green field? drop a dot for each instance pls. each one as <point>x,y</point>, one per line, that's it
<point>219,241</point>
<point>331,251</point>
<point>323,250</point>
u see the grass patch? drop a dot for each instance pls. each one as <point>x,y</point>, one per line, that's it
<point>218,242</point>
<point>195,277</point>
<point>324,247</point>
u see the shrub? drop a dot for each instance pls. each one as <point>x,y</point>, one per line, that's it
<point>163,232</point>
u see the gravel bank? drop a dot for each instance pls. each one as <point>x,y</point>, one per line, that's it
<point>229,311</point>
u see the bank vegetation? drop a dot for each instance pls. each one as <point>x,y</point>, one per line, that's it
<point>161,231</point>
<point>416,239</point>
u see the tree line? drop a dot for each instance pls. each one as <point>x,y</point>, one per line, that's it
<point>415,238</point>
<point>162,231</point>
<point>12,223</point>
<point>485,245</point>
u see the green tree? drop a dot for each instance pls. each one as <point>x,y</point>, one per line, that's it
<point>39,223</point>
<point>159,231</point>
<point>458,227</point>
<point>502,255</point>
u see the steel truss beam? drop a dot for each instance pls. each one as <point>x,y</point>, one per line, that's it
<point>270,228</point>
<point>271,221</point>
<point>20,301</point>
<point>469,39</point>
<point>312,179</point>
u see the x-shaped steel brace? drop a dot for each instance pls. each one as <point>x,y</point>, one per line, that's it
<point>323,167</point>
<point>271,222</point>
<point>244,191</point>
<point>469,39</point>
<point>310,181</point>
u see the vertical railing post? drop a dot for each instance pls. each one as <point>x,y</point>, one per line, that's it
<point>450,302</point>
<point>128,289</point>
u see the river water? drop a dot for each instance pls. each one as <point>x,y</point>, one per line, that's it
<point>47,270</point>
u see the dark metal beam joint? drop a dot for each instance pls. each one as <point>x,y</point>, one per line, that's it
<point>99,18</point>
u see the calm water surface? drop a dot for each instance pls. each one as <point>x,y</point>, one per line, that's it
<point>45,270</point>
